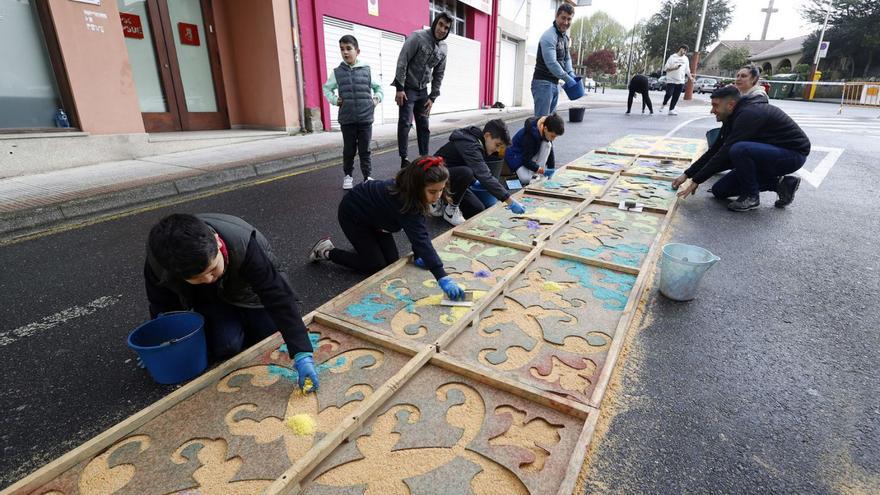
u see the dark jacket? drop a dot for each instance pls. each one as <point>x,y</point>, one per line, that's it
<point>467,149</point>
<point>357,95</point>
<point>372,203</point>
<point>553,60</point>
<point>251,280</point>
<point>639,83</point>
<point>524,146</point>
<point>422,59</point>
<point>751,120</point>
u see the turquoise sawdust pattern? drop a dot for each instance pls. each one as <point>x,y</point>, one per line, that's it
<point>369,308</point>
<point>622,254</point>
<point>614,299</point>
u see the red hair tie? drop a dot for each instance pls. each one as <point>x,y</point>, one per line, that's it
<point>432,161</point>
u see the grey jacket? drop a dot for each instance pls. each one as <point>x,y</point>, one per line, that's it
<point>422,60</point>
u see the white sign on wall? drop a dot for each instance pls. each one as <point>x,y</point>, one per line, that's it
<point>481,5</point>
<point>373,7</point>
<point>823,49</point>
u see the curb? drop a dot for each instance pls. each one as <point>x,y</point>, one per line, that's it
<point>21,224</point>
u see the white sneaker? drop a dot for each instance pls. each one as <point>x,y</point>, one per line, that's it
<point>661,109</point>
<point>368,179</point>
<point>348,182</point>
<point>321,250</point>
<point>672,112</point>
<point>452,214</point>
<point>437,208</point>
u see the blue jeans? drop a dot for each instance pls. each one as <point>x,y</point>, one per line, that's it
<point>756,167</point>
<point>545,94</point>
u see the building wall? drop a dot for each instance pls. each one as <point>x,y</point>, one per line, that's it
<point>97,67</point>
<point>396,16</point>
<point>256,53</point>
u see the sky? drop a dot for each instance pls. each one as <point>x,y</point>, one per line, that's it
<point>747,16</point>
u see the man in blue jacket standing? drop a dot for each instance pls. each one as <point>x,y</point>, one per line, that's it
<point>553,62</point>
<point>422,60</point>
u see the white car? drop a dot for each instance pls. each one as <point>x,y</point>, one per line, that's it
<point>704,85</point>
<point>589,83</point>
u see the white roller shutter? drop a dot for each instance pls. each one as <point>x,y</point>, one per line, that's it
<point>460,89</point>
<point>507,73</point>
<point>369,42</point>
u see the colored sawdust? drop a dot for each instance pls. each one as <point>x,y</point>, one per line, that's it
<point>302,424</point>
<point>552,286</point>
<point>612,404</point>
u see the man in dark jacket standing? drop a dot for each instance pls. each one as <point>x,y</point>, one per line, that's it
<point>422,59</point>
<point>465,155</point>
<point>553,62</point>
<point>759,142</point>
<point>223,268</point>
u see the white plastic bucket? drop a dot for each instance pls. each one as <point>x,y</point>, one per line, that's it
<point>681,268</point>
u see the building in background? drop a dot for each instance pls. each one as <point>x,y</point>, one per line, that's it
<point>381,26</point>
<point>710,65</point>
<point>513,32</point>
<point>135,66</point>
<point>782,57</point>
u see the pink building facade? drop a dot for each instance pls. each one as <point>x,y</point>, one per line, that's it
<point>390,21</point>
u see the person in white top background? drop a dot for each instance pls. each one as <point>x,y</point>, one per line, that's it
<point>678,70</point>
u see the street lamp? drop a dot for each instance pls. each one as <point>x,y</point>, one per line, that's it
<point>810,89</point>
<point>668,26</point>
<point>689,85</point>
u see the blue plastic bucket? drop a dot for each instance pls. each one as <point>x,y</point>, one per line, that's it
<point>681,268</point>
<point>576,90</point>
<point>172,346</point>
<point>484,196</point>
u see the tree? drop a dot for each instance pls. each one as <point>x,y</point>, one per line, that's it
<point>685,21</point>
<point>601,62</point>
<point>596,32</point>
<point>734,59</point>
<point>852,32</point>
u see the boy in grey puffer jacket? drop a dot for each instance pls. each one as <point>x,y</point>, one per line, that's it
<point>422,60</point>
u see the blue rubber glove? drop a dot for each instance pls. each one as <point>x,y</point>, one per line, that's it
<point>420,263</point>
<point>516,207</point>
<point>548,172</point>
<point>452,290</point>
<point>569,81</point>
<point>305,368</point>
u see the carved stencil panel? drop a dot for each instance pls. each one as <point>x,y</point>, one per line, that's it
<point>609,234</point>
<point>633,144</point>
<point>552,329</point>
<point>232,437</point>
<point>501,223</point>
<point>576,183</point>
<point>673,147</point>
<point>659,167</point>
<point>654,193</point>
<point>603,161</point>
<point>443,433</point>
<point>405,303</point>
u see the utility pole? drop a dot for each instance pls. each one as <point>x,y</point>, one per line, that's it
<point>769,10</point>
<point>809,89</point>
<point>632,42</point>
<point>666,45</point>
<point>689,85</point>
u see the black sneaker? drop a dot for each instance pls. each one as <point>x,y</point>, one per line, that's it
<point>744,203</point>
<point>404,162</point>
<point>788,185</point>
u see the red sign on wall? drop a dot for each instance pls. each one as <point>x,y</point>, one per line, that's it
<point>189,34</point>
<point>131,26</point>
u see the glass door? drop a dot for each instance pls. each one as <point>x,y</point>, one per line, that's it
<point>176,68</point>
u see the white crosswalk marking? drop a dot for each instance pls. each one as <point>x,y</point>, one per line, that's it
<point>838,124</point>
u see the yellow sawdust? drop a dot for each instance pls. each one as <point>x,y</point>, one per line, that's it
<point>98,478</point>
<point>533,435</point>
<point>302,424</point>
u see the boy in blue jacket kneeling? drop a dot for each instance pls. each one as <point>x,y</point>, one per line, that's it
<point>531,149</point>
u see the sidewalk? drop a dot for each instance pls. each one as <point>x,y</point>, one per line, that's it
<point>31,202</point>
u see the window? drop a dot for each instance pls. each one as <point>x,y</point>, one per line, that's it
<point>454,9</point>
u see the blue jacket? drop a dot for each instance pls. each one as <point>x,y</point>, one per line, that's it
<point>553,61</point>
<point>372,203</point>
<point>524,146</point>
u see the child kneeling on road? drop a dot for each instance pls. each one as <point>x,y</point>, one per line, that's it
<point>359,93</point>
<point>223,268</point>
<point>372,211</point>
<point>531,150</point>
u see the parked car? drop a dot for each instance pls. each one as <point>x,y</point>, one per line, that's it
<point>589,83</point>
<point>704,85</point>
<point>652,81</point>
<point>660,84</point>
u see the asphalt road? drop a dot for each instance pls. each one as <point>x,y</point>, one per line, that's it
<point>767,382</point>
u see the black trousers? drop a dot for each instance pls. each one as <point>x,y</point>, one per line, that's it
<point>356,137</point>
<point>413,107</point>
<point>460,179</point>
<point>646,100</point>
<point>673,91</point>
<point>228,328</point>
<point>374,249</point>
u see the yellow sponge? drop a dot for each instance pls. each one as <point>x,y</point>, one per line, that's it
<point>302,424</point>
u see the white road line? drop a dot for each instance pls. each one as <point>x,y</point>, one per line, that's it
<point>58,318</point>
<point>686,122</point>
<point>817,175</point>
